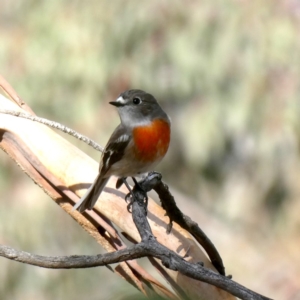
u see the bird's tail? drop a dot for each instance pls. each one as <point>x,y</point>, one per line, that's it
<point>90,198</point>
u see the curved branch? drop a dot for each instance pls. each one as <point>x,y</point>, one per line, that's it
<point>72,261</point>
<point>174,213</point>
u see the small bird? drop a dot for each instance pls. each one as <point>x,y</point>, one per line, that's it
<point>136,146</point>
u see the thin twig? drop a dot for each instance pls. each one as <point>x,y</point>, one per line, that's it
<point>55,125</point>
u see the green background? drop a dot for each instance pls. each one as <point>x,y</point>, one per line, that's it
<point>227,72</point>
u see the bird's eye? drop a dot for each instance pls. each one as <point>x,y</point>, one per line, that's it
<point>136,100</point>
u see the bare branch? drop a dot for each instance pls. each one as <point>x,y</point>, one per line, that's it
<point>73,261</point>
<point>148,247</point>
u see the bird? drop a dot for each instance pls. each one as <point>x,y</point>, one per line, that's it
<point>136,146</point>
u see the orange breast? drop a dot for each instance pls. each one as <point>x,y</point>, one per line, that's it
<point>152,141</point>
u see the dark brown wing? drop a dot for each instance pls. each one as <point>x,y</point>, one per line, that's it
<point>114,150</point>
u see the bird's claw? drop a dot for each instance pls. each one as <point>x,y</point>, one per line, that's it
<point>129,207</point>
<point>128,198</point>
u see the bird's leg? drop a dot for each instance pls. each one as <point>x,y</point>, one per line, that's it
<point>137,185</point>
<point>122,180</point>
<point>128,187</point>
<point>119,182</point>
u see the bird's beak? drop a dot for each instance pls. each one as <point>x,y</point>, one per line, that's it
<point>116,103</point>
<point>119,102</point>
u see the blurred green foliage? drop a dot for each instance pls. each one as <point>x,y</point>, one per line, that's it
<point>226,71</point>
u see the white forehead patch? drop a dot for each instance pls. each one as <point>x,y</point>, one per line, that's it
<point>121,100</point>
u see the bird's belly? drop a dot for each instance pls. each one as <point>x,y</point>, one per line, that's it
<point>130,166</point>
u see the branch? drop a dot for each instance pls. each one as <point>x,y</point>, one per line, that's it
<point>174,213</point>
<point>73,261</point>
<point>147,247</point>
